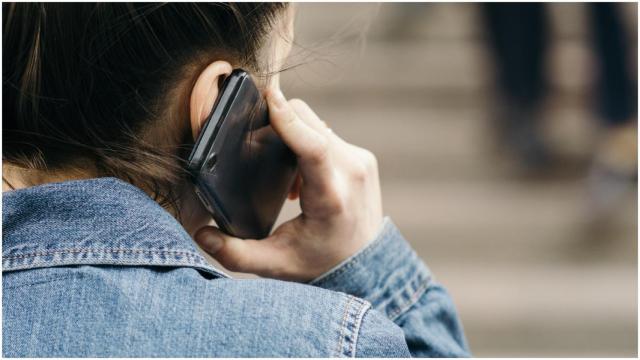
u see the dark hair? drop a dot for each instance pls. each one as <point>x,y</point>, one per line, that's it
<point>84,82</point>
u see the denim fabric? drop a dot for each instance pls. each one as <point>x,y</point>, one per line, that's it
<point>389,275</point>
<point>97,268</point>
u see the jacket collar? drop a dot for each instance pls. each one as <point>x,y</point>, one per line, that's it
<point>102,221</point>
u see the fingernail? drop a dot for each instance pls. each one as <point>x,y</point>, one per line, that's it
<point>210,241</point>
<point>278,99</point>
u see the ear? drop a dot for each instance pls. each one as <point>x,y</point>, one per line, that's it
<point>204,93</point>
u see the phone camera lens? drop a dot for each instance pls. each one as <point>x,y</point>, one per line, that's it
<point>211,161</point>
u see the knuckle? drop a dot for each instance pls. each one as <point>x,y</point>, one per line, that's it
<point>289,117</point>
<point>297,103</point>
<point>366,167</point>
<point>232,260</point>
<point>359,172</point>
<point>231,263</point>
<point>370,160</point>
<point>335,203</point>
<point>320,151</point>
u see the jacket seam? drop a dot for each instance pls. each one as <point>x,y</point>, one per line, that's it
<point>343,326</point>
<point>365,306</point>
<point>191,259</point>
<point>110,250</point>
<point>416,294</point>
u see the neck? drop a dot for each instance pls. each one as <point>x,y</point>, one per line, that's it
<point>15,178</point>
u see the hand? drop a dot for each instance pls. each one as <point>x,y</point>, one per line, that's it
<point>340,199</point>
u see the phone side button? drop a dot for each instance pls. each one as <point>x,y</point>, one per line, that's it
<point>204,201</point>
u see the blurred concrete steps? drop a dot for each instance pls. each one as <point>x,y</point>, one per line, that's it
<point>422,141</point>
<point>458,65</point>
<point>513,225</point>
<point>516,256</point>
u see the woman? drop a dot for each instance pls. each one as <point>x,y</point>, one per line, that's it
<point>102,102</point>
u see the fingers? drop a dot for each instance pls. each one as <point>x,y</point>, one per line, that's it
<point>306,114</point>
<point>297,134</point>
<point>310,145</point>
<point>309,116</point>
<point>249,256</point>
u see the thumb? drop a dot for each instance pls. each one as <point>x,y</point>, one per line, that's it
<point>258,257</point>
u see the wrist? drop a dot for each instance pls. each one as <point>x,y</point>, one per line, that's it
<point>385,273</point>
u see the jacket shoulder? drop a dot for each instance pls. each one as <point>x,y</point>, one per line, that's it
<point>155,311</point>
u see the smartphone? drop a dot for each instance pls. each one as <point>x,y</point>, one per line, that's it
<point>241,169</point>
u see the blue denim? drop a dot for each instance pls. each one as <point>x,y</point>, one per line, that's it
<point>97,268</point>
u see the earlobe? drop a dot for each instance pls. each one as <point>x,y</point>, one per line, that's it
<point>204,93</point>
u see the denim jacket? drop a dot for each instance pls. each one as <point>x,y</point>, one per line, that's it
<point>97,268</point>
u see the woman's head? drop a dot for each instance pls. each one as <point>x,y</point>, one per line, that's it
<point>115,89</point>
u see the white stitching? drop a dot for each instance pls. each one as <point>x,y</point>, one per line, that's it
<point>360,316</point>
<point>343,325</point>
<point>76,251</point>
<point>415,296</point>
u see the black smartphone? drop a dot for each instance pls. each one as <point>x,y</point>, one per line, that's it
<point>241,169</point>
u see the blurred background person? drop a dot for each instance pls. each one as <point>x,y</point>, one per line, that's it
<point>420,85</point>
<point>519,35</point>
